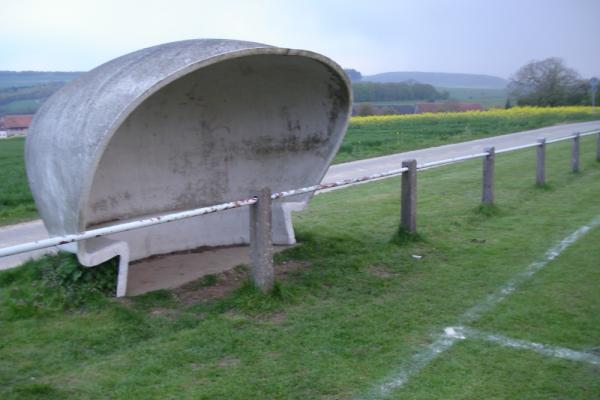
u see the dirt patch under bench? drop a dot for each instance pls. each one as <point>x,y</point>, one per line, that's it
<point>224,283</point>
<point>199,275</point>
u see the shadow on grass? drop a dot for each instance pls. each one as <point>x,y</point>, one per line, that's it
<point>403,236</point>
<point>546,187</point>
<point>250,300</point>
<point>488,210</point>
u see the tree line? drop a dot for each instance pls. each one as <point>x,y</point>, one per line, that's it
<point>549,83</point>
<point>36,92</point>
<point>372,91</point>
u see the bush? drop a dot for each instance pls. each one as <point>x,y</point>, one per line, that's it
<point>55,283</point>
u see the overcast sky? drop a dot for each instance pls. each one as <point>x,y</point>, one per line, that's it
<point>475,36</point>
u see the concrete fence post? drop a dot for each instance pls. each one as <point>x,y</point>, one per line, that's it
<point>487,196</point>
<point>575,157</point>
<point>261,242</point>
<point>540,166</point>
<point>598,147</point>
<point>408,212</point>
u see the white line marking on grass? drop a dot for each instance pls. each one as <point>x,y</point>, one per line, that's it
<point>418,361</point>
<point>445,341</point>
<point>475,312</point>
<point>462,333</point>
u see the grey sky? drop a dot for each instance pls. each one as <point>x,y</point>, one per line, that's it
<point>477,36</point>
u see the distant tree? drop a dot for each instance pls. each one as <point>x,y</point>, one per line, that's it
<point>353,74</point>
<point>507,105</point>
<point>547,82</point>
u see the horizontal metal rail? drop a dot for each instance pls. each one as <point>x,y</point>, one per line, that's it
<point>165,218</point>
<point>325,186</point>
<point>161,219</point>
<point>581,134</point>
<point>127,226</point>
<point>453,160</point>
<point>514,148</point>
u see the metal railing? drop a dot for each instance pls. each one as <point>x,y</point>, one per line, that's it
<point>175,216</point>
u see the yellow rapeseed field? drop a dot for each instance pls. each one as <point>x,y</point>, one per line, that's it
<point>514,112</point>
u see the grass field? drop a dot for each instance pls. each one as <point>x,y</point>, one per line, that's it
<point>16,202</point>
<point>20,107</point>
<point>27,99</point>
<point>379,135</point>
<point>488,98</point>
<point>356,315</point>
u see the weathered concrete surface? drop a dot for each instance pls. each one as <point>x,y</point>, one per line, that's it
<point>408,212</point>
<point>540,165</point>
<point>261,241</point>
<point>487,195</point>
<point>598,147</point>
<point>185,125</point>
<point>101,249</point>
<point>575,154</point>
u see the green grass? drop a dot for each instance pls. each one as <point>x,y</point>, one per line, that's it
<point>557,307</point>
<point>488,98</point>
<point>477,370</point>
<point>20,107</point>
<point>16,202</point>
<point>364,306</point>
<point>377,136</point>
<point>25,100</point>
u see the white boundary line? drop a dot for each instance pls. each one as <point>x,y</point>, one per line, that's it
<point>444,341</point>
<point>462,333</point>
<point>475,312</point>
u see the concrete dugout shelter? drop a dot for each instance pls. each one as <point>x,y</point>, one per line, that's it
<point>179,126</point>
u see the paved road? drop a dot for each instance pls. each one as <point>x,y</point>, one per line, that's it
<point>35,230</point>
<point>356,169</point>
<point>26,232</point>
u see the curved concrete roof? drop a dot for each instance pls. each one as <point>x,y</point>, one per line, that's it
<point>72,130</point>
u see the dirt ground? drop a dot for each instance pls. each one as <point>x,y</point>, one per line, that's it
<point>225,266</point>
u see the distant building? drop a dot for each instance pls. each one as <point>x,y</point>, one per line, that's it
<point>389,109</point>
<point>399,109</point>
<point>447,106</point>
<point>15,124</point>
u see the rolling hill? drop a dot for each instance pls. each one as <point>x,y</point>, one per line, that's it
<point>31,78</point>
<point>22,92</point>
<point>441,79</point>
